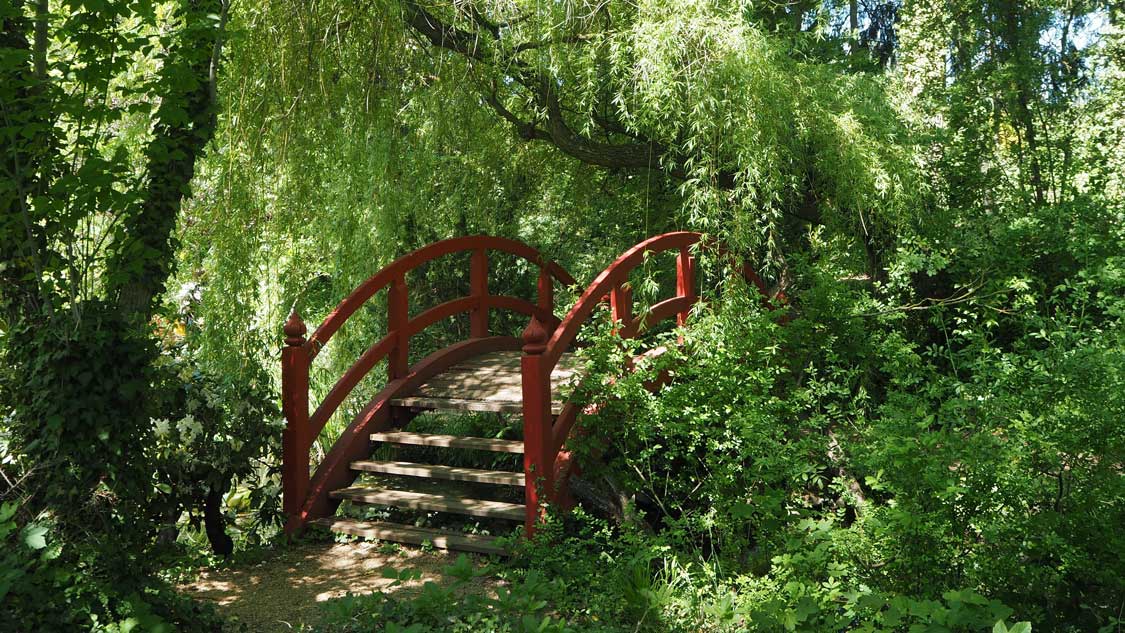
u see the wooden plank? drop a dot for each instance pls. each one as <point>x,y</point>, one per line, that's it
<point>449,441</point>
<point>431,502</point>
<point>400,533</point>
<point>473,390</point>
<point>509,362</point>
<point>437,471</point>
<point>464,404</point>
<point>490,383</point>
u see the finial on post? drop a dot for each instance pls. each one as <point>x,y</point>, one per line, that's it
<point>535,337</point>
<point>294,330</point>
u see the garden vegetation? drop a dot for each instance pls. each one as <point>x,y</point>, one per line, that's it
<point>926,434</point>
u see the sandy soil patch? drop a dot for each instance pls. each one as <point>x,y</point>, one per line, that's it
<point>285,591</point>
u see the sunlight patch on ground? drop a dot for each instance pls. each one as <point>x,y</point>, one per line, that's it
<point>287,589</point>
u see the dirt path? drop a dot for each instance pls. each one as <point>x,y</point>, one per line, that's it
<point>285,590</point>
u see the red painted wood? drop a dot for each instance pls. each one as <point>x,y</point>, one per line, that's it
<point>614,275</point>
<point>621,304</point>
<point>657,313</point>
<point>381,348</point>
<point>295,438</point>
<point>348,381</point>
<point>545,294</point>
<point>685,282</point>
<point>398,307</point>
<point>612,281</point>
<point>478,283</point>
<point>565,466</point>
<point>439,312</point>
<point>304,500</point>
<point>408,262</point>
<point>546,463</point>
<point>538,456</point>
<point>564,422</point>
<point>354,443</point>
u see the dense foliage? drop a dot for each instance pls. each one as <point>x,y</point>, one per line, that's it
<point>927,434</point>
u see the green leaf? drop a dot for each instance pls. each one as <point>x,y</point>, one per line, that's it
<point>35,536</point>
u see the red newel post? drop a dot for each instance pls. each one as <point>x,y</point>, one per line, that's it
<point>295,440</point>
<point>538,462</point>
<point>478,286</point>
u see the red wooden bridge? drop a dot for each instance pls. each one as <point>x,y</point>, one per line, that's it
<point>485,372</point>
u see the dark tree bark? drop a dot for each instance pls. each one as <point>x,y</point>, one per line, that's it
<point>1018,52</point>
<point>185,123</point>
<point>24,165</point>
<point>213,521</point>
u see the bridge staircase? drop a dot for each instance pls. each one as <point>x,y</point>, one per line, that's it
<point>520,377</point>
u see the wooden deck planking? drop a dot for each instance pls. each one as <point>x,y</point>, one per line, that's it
<point>411,499</point>
<point>440,471</point>
<point>449,441</point>
<point>413,535</point>
<point>490,382</point>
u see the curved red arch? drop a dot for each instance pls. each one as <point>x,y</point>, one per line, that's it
<point>410,261</point>
<point>613,276</point>
<point>546,460</point>
<point>303,428</point>
<point>545,440</point>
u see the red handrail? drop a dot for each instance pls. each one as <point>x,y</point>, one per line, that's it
<point>398,269</point>
<point>302,428</point>
<point>546,464</point>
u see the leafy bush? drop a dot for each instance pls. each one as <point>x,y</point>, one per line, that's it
<point>78,402</point>
<point>216,429</point>
<point>46,586</point>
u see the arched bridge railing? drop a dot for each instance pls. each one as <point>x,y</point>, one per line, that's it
<point>304,498</point>
<point>545,461</point>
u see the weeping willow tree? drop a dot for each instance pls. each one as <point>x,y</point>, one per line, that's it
<point>353,132</point>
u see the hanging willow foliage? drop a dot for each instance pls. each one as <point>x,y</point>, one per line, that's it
<point>354,132</point>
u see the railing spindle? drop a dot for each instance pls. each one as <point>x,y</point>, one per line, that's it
<point>621,304</point>
<point>546,291</point>
<point>685,281</point>
<point>398,307</point>
<point>295,438</point>
<point>478,283</point>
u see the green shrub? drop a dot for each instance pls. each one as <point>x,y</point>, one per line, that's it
<point>46,586</point>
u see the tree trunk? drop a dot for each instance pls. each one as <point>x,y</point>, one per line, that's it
<point>139,268</point>
<point>213,521</point>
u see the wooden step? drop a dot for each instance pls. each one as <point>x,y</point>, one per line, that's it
<point>490,382</point>
<point>400,533</point>
<point>479,405</point>
<point>436,471</point>
<point>449,441</point>
<point>431,502</point>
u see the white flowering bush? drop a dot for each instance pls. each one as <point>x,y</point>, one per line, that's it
<point>215,445</point>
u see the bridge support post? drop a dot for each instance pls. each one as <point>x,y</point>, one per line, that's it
<point>621,304</point>
<point>398,315</point>
<point>478,284</point>
<point>295,440</point>
<point>538,460</point>
<point>685,282</point>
